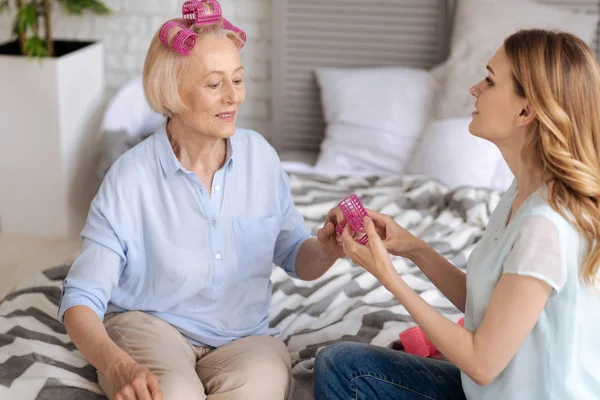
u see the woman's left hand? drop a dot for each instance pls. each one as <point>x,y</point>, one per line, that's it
<point>373,256</point>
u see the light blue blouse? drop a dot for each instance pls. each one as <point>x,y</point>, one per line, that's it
<point>560,358</point>
<point>156,241</point>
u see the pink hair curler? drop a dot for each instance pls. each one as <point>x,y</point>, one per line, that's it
<point>182,42</point>
<point>194,13</point>
<point>354,212</point>
<point>229,26</point>
<point>416,342</point>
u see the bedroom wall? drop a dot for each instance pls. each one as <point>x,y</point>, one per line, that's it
<point>128,31</point>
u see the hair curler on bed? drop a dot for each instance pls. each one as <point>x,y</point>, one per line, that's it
<point>415,341</point>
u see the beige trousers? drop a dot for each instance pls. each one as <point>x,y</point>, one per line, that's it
<point>256,367</point>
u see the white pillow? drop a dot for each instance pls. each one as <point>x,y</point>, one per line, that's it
<point>129,111</point>
<point>374,117</point>
<point>449,153</point>
<point>480,27</point>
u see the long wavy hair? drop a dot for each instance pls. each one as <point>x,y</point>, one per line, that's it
<point>560,77</point>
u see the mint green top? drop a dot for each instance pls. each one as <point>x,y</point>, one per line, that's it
<point>560,358</point>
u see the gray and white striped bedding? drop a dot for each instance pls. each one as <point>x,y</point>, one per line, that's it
<point>38,361</point>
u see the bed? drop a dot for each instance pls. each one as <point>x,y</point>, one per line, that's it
<point>37,359</point>
<point>40,362</point>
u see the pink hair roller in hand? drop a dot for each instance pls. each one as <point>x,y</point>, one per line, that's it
<point>415,341</point>
<point>354,212</point>
<point>182,42</point>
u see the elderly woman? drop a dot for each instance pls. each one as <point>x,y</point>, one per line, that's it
<point>169,296</point>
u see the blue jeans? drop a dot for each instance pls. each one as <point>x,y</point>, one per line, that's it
<point>348,370</point>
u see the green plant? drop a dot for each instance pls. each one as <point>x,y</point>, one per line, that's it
<point>29,16</point>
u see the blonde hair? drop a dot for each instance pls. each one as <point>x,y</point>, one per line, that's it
<point>560,77</point>
<point>164,67</point>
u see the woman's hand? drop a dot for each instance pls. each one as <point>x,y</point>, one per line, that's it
<point>134,381</point>
<point>327,235</point>
<point>397,240</point>
<point>373,256</point>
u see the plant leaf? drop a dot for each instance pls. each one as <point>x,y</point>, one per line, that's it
<point>36,47</point>
<point>26,18</point>
<point>77,7</point>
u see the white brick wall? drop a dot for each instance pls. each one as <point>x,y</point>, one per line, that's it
<point>127,32</point>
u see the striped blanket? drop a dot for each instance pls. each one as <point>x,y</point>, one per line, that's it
<point>38,360</point>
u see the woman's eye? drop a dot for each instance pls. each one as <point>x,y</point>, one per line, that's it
<point>214,86</point>
<point>489,81</point>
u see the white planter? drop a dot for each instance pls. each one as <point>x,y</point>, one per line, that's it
<point>51,114</point>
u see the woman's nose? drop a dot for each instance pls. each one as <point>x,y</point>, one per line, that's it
<point>478,88</point>
<point>231,96</point>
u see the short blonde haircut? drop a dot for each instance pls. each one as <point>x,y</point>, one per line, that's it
<point>164,68</point>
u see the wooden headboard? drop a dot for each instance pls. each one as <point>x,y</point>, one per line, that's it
<point>350,33</point>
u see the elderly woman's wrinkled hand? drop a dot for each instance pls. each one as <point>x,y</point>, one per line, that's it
<point>134,381</point>
<point>373,256</point>
<point>328,237</point>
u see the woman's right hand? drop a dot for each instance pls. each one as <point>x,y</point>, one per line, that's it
<point>397,240</point>
<point>134,381</point>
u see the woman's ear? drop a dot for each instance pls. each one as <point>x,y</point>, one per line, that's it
<point>526,116</point>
